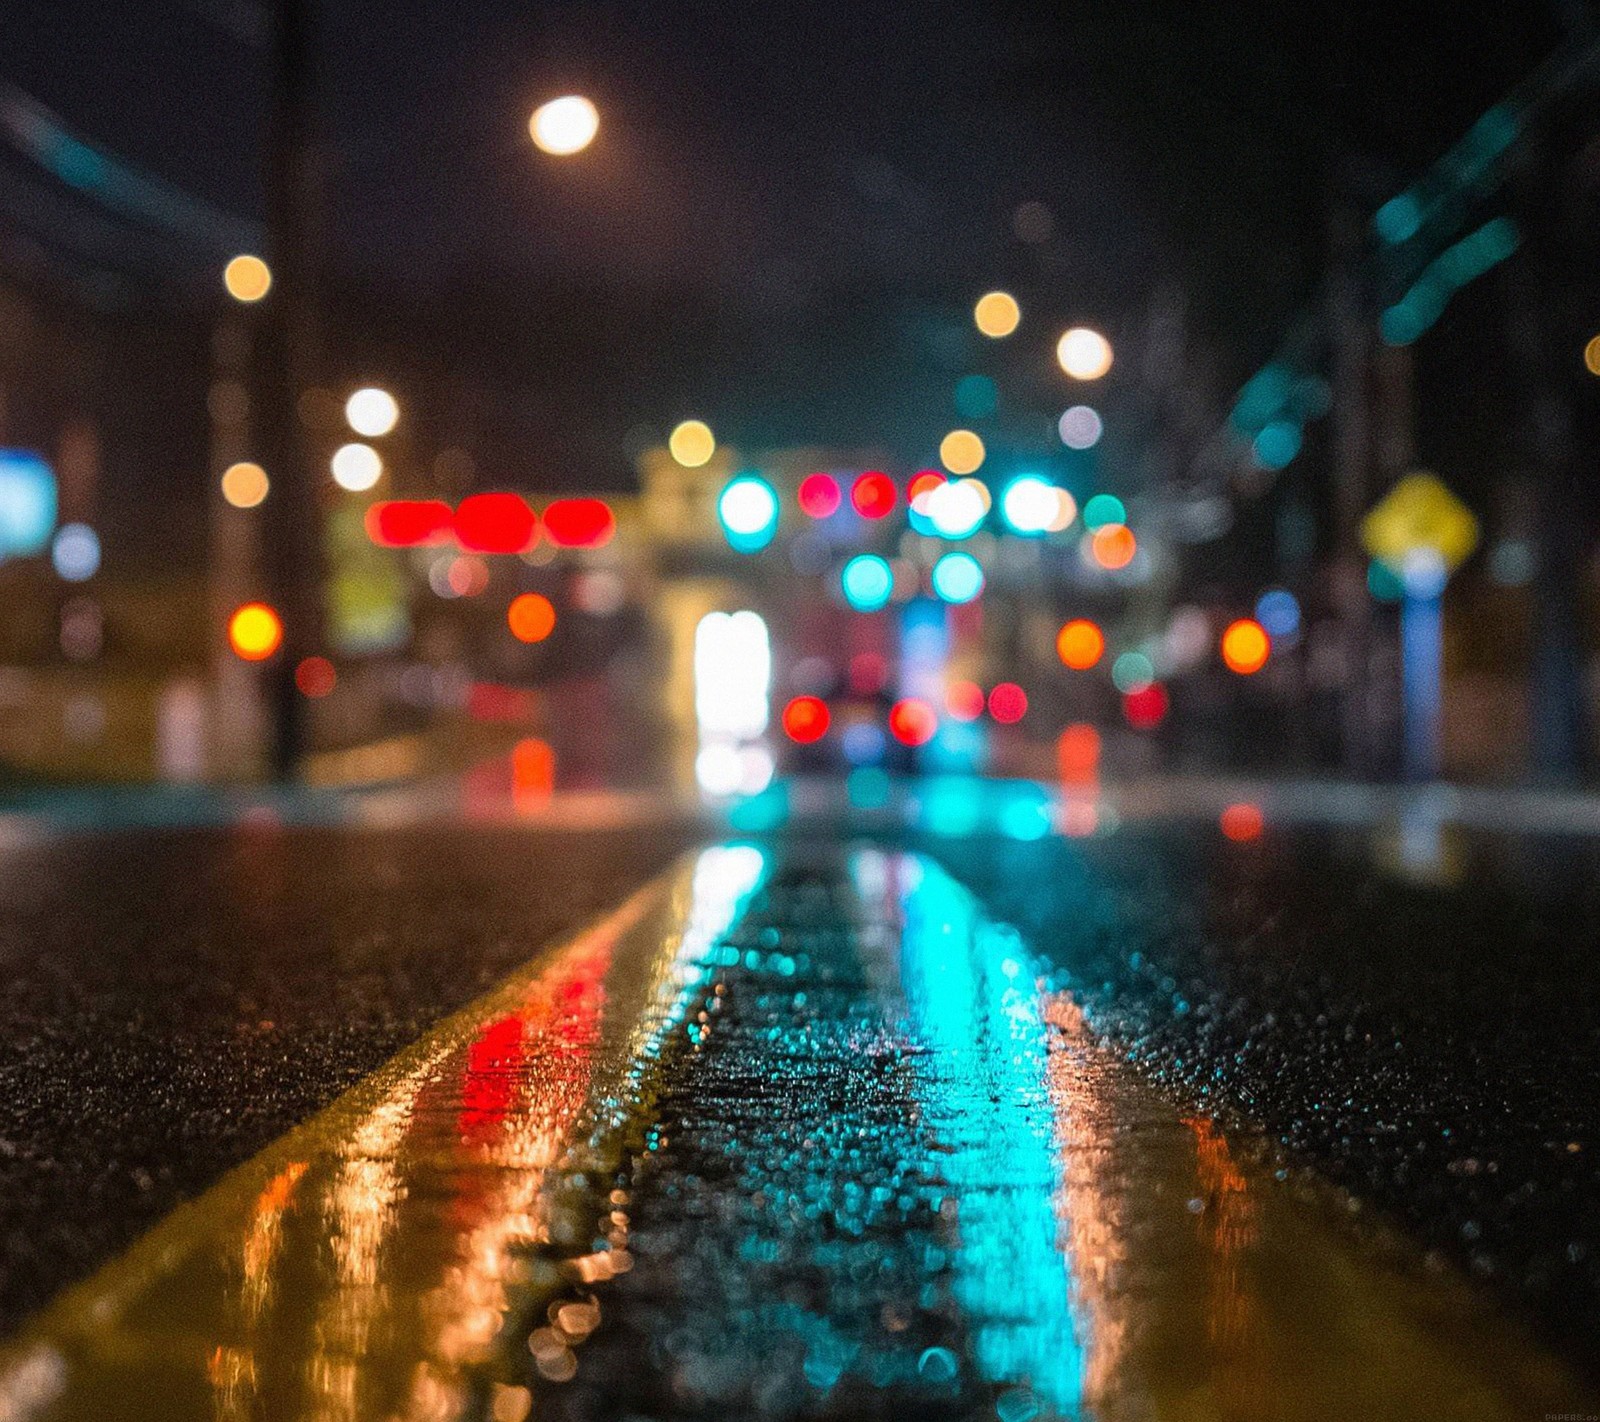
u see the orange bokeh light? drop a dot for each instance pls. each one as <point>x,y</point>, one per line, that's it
<point>1245,646</point>
<point>1078,753</point>
<point>1242,822</point>
<point>531,617</point>
<point>964,700</point>
<point>255,632</point>
<point>1080,644</point>
<point>1113,545</point>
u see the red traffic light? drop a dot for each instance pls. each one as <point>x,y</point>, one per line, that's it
<point>580,523</point>
<point>496,523</point>
<point>407,523</point>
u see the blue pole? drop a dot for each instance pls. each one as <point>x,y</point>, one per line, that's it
<point>1421,674</point>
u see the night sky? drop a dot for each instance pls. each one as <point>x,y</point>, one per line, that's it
<point>790,208</point>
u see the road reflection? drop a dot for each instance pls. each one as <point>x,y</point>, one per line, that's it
<point>801,1132</point>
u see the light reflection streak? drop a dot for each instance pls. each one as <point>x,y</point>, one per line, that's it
<point>973,1001</point>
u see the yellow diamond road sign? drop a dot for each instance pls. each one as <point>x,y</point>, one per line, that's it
<point>1420,514</point>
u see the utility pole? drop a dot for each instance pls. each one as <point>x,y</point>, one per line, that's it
<point>1351,327</point>
<point>1559,714</point>
<point>292,551</point>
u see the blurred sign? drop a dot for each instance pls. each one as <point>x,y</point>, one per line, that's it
<point>27,503</point>
<point>1420,515</point>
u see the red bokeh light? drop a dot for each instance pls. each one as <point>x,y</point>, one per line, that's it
<point>805,719</point>
<point>912,722</point>
<point>1242,822</point>
<point>873,494</point>
<point>964,700</point>
<point>408,523</point>
<point>580,523</point>
<point>1146,708</point>
<point>316,677</point>
<point>819,495</point>
<point>1008,703</point>
<point>496,523</point>
<point>922,481</point>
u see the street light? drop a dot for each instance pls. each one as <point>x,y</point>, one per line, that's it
<point>565,125</point>
<point>371,412</point>
<point>247,278</point>
<point>1084,353</point>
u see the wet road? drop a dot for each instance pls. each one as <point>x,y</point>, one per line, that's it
<point>960,1118</point>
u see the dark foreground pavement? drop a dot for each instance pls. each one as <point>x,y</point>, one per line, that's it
<point>174,1000</point>
<point>867,1144</point>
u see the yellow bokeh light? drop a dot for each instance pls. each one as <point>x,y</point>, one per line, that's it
<point>247,278</point>
<point>1591,356</point>
<point>245,485</point>
<point>1084,354</point>
<point>961,451</point>
<point>372,412</point>
<point>997,314</point>
<point>255,632</point>
<point>692,443</point>
<point>565,125</point>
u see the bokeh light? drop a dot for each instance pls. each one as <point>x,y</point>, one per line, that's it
<point>409,523</point>
<point>964,700</point>
<point>1030,505</point>
<point>1080,644</point>
<point>961,452</point>
<point>1245,646</point>
<point>873,495</point>
<point>819,495</point>
<point>1103,509</point>
<point>580,523</point>
<point>356,467</point>
<point>1242,822</point>
<point>692,443</point>
<point>245,485</point>
<point>1008,703</point>
<point>1591,356</point>
<point>924,481</point>
<point>1078,753</point>
<point>1132,671</point>
<point>1146,708</point>
<point>957,578</point>
<point>956,509</point>
<point>1278,610</point>
<point>247,278</point>
<point>997,314</point>
<point>748,512</point>
<point>1084,353</point>
<point>316,677</point>
<point>255,632</point>
<point>912,722</point>
<point>564,126</point>
<point>1113,546</point>
<point>531,617</point>
<point>1080,427</point>
<point>371,412</point>
<point>496,523</point>
<point>805,719</point>
<point>866,581</point>
<point>75,552</point>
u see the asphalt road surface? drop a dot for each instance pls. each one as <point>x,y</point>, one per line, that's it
<point>946,1113</point>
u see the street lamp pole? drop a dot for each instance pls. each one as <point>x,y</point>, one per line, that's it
<point>291,546</point>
